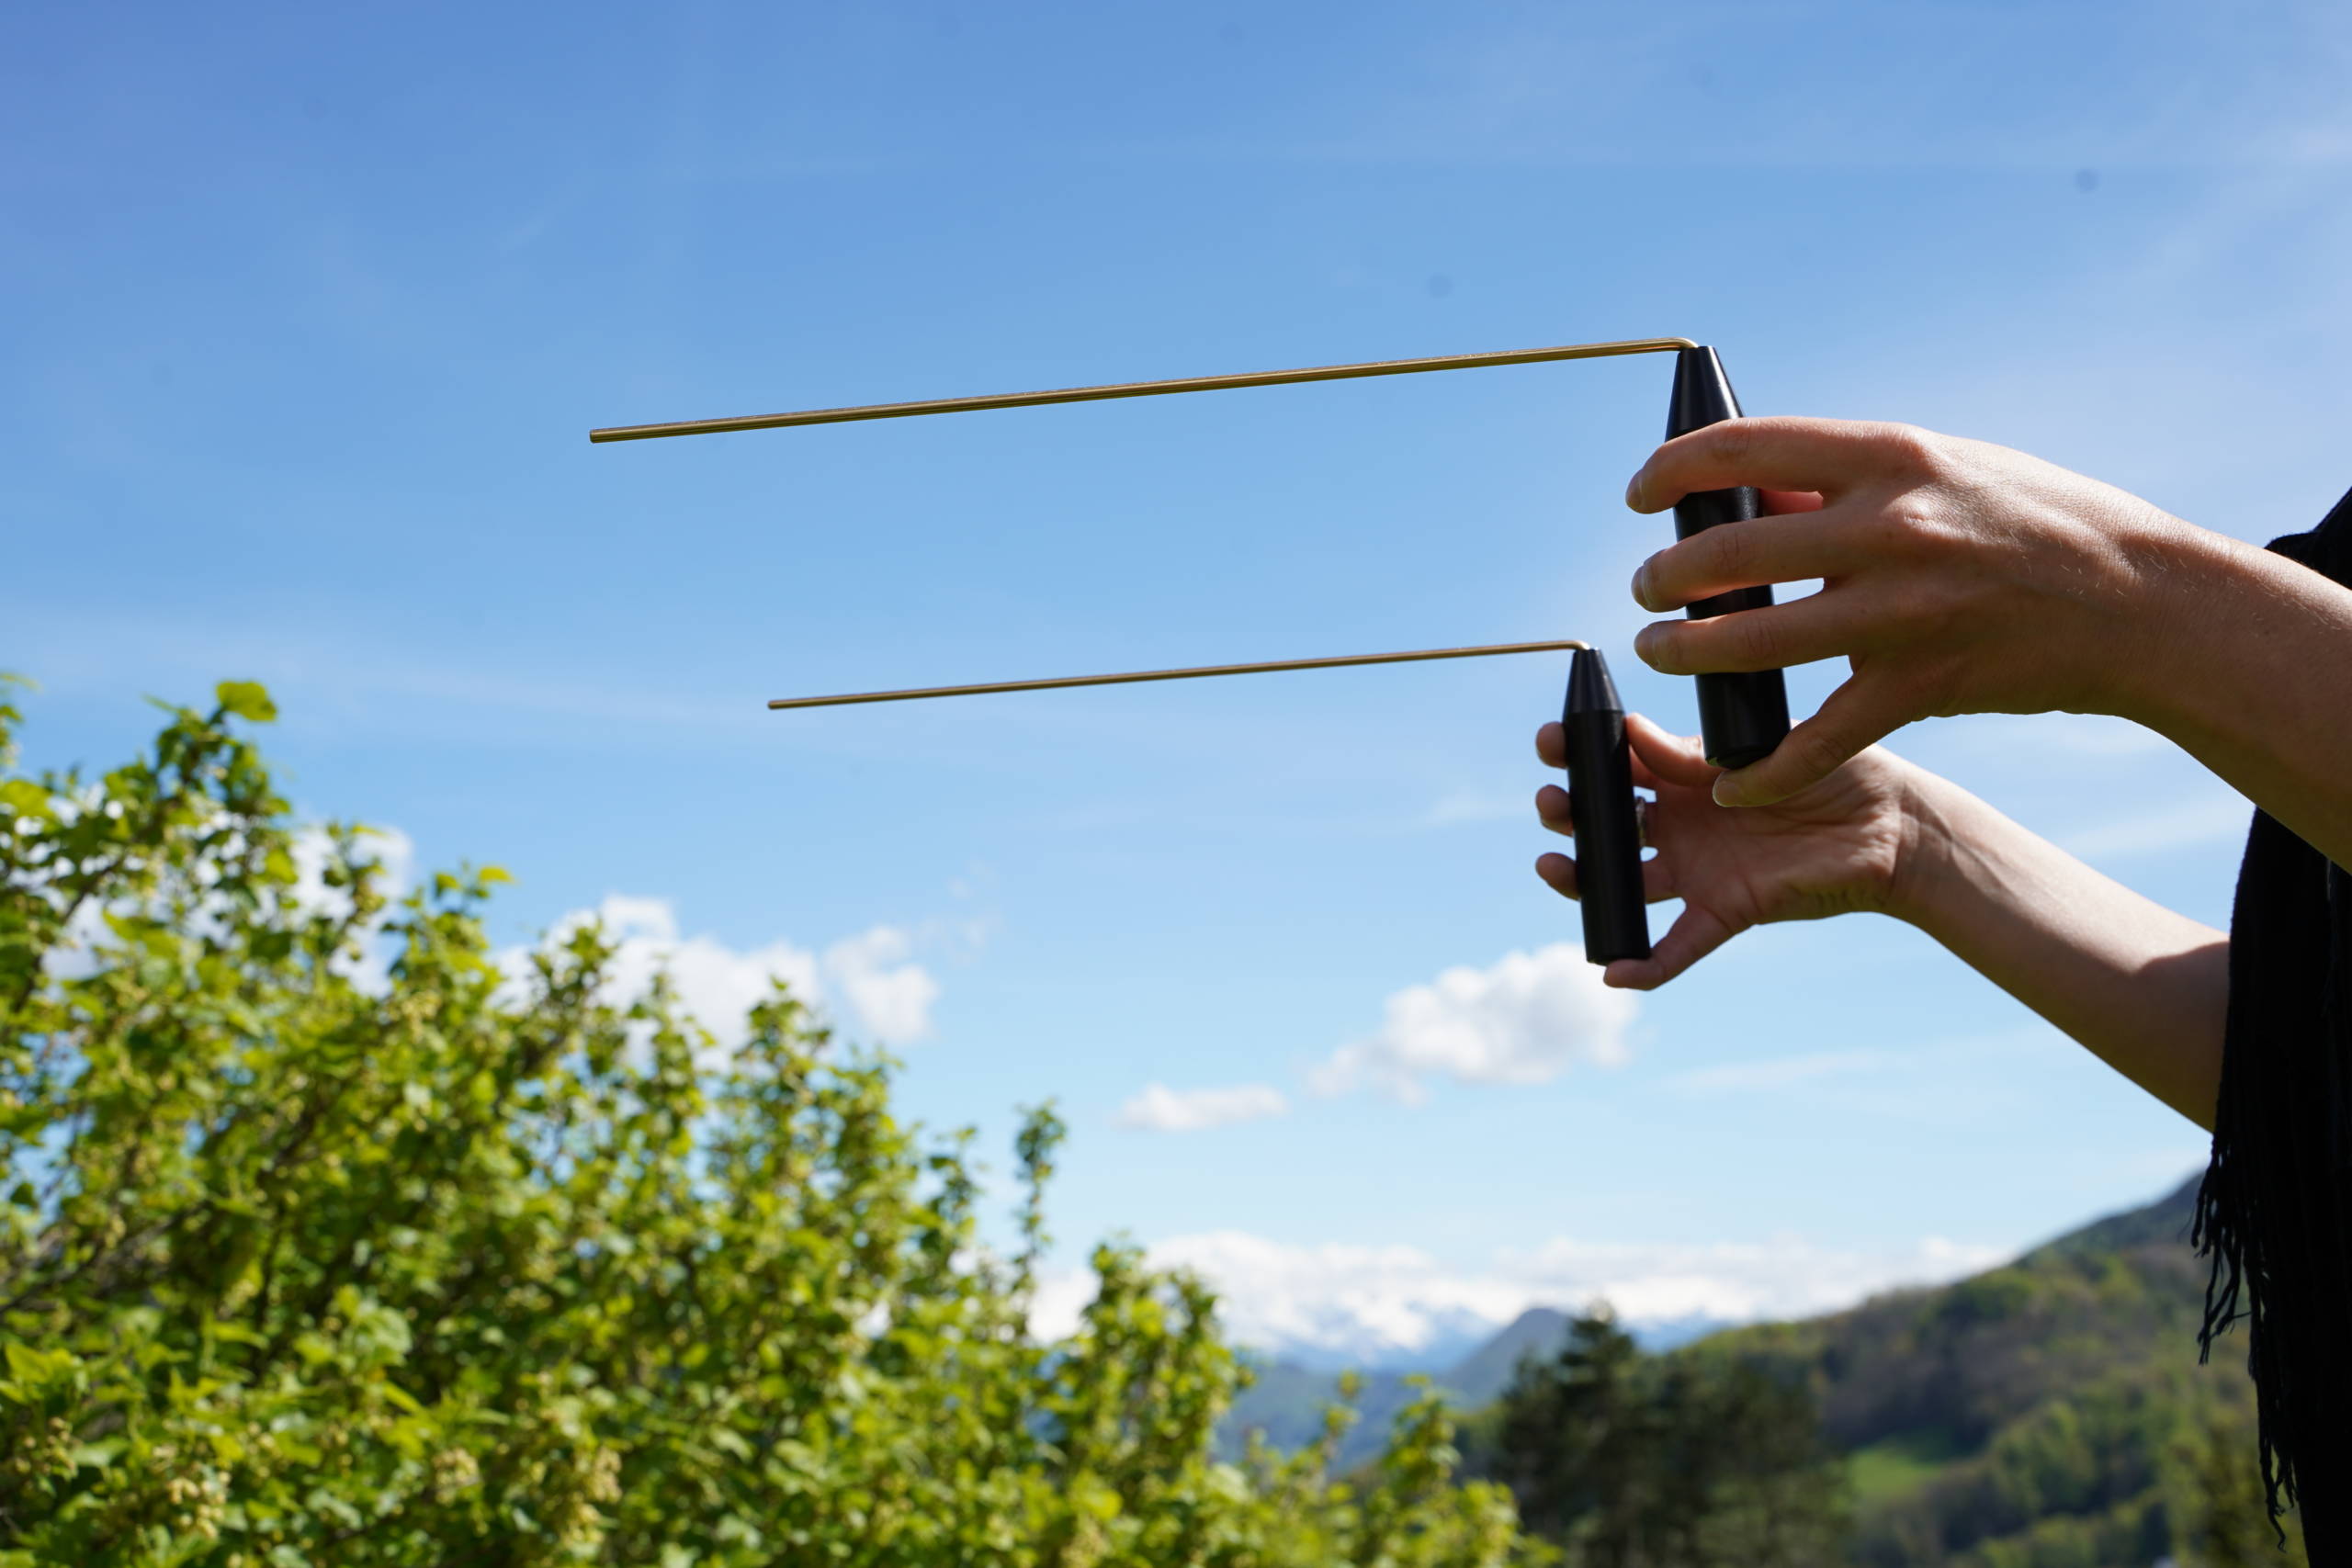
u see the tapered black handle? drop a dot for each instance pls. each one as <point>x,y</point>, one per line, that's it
<point>1605,814</point>
<point>1743,715</point>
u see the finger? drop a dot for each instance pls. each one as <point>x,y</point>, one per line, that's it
<point>1660,759</point>
<point>1656,754</point>
<point>1560,873</point>
<point>1695,933</point>
<point>1819,625</point>
<point>1826,456</point>
<point>1859,714</point>
<point>1743,555</point>
<point>1553,809</point>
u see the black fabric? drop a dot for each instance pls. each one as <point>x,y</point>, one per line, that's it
<point>2275,1211</point>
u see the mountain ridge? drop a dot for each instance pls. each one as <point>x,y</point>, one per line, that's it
<point>2049,1411</point>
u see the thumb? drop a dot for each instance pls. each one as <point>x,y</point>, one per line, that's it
<point>1857,715</point>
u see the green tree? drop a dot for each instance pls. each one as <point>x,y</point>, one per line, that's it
<point>1682,1461</point>
<point>2228,1522</point>
<point>327,1241</point>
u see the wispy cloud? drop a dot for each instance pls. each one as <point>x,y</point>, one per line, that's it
<point>2202,821</point>
<point>1740,1077</point>
<point>1476,806</point>
<point>1525,1019</point>
<point>1163,1110</point>
<point>2085,734</point>
<point>109,651</point>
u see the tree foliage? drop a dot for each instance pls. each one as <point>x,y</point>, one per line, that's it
<point>327,1239</point>
<point>1678,1462</point>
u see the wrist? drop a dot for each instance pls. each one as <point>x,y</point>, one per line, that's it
<point>1941,838</point>
<point>2186,582</point>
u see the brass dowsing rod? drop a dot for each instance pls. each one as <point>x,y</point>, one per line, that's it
<point>1143,388</point>
<point>1616,923</point>
<point>1151,389</point>
<point>1194,673</point>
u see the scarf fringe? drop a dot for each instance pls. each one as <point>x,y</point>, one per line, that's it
<point>2228,1230</point>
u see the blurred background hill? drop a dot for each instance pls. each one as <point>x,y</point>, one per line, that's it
<point>2049,1411</point>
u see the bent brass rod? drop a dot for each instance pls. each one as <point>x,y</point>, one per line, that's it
<point>1193,673</point>
<point>1142,389</point>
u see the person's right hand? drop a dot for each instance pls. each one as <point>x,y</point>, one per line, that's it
<point>1837,846</point>
<point>1958,577</point>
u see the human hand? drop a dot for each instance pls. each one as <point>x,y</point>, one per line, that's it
<point>1837,846</point>
<point>1958,577</point>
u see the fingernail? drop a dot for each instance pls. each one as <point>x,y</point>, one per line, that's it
<point>1653,649</point>
<point>1634,492</point>
<point>1642,588</point>
<point>1728,790</point>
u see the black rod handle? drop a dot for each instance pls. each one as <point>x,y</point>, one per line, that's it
<point>1742,715</point>
<point>1605,812</point>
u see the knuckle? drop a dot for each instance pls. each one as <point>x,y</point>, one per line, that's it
<point>1818,754</point>
<point>1731,551</point>
<point>1755,641</point>
<point>1911,528</point>
<point>1912,448</point>
<point>1733,440</point>
<point>1934,688</point>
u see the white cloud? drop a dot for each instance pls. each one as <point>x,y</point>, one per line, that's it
<point>1057,1301</point>
<point>1785,1276</point>
<point>1371,1303</point>
<point>1388,1305</point>
<point>891,995</point>
<point>1164,1109</point>
<point>885,995</point>
<point>2220,815</point>
<point>1525,1020</point>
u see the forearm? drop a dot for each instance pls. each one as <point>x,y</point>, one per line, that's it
<point>2251,673</point>
<point>2143,988</point>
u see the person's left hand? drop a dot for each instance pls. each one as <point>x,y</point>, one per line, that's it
<point>1835,847</point>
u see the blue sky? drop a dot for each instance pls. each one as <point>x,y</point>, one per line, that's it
<point>314,308</point>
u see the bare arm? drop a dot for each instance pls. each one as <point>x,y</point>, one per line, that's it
<point>2255,681</point>
<point>2142,988</point>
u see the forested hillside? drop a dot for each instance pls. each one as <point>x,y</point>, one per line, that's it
<point>2051,1411</point>
<point>1284,1401</point>
<point>2047,1413</point>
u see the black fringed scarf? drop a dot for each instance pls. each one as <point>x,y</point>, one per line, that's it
<point>2275,1211</point>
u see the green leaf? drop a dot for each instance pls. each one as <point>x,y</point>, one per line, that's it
<point>246,699</point>
<point>27,798</point>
